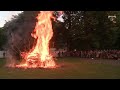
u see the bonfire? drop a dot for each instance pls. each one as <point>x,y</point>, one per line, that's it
<point>39,56</point>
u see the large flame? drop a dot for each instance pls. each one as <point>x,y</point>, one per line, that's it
<point>39,55</point>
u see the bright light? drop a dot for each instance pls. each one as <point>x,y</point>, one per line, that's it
<point>6,16</point>
<point>60,18</point>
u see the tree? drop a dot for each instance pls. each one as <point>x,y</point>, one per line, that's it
<point>105,30</point>
<point>90,29</point>
<point>3,39</point>
<point>74,27</point>
<point>117,31</point>
<point>18,32</point>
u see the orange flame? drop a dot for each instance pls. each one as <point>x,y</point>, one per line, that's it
<point>39,55</point>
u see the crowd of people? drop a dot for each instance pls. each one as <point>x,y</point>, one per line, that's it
<point>103,54</point>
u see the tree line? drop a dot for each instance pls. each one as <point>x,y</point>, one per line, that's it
<point>81,30</point>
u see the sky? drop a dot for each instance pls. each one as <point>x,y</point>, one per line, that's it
<point>60,18</point>
<point>7,15</point>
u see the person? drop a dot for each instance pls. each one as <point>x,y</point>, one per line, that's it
<point>3,54</point>
<point>115,57</point>
<point>62,53</point>
<point>59,54</point>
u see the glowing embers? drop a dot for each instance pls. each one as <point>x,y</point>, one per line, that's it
<point>34,62</point>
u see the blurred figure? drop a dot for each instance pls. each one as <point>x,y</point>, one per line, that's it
<point>3,54</point>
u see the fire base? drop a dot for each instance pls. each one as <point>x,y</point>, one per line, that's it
<point>38,64</point>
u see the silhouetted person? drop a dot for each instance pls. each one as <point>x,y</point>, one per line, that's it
<point>59,54</point>
<point>3,54</point>
<point>115,57</point>
<point>62,54</point>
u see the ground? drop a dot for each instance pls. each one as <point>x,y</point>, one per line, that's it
<point>71,68</point>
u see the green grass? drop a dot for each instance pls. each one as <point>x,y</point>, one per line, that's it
<point>71,68</point>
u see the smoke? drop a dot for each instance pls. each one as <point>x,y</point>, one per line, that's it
<point>10,59</point>
<point>18,33</point>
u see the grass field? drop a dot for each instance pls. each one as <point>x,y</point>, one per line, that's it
<point>71,68</point>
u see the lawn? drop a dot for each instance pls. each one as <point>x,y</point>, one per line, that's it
<point>71,68</point>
